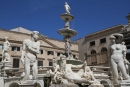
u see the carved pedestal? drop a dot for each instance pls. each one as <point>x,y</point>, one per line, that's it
<point>96,85</point>
<point>64,85</point>
<point>5,68</point>
<point>28,83</point>
<point>124,83</point>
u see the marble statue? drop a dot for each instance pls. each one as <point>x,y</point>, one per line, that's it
<point>88,74</point>
<point>67,8</point>
<point>67,47</point>
<point>124,56</point>
<point>65,74</point>
<point>55,72</point>
<point>124,49</point>
<point>6,48</point>
<point>117,53</point>
<point>30,50</point>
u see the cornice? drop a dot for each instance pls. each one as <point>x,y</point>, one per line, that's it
<point>105,30</point>
<point>41,35</point>
<point>53,46</point>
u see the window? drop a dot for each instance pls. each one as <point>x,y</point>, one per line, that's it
<point>0,59</point>
<point>40,63</point>
<point>41,51</point>
<point>15,48</point>
<point>58,54</point>
<point>105,69</point>
<point>103,49</point>
<point>93,52</point>
<point>94,63</point>
<point>50,53</point>
<point>15,63</point>
<point>85,56</point>
<point>50,63</point>
<point>74,56</point>
<point>1,46</point>
<point>18,48</point>
<point>103,40</point>
<point>92,43</point>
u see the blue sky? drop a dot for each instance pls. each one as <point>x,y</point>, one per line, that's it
<point>44,15</point>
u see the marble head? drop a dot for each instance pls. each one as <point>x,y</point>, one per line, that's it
<point>66,3</point>
<point>54,60</point>
<point>35,35</point>
<point>6,38</point>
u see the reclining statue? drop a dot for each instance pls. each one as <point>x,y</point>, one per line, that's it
<point>66,75</point>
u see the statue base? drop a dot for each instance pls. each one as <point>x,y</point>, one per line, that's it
<point>123,83</point>
<point>96,85</point>
<point>7,63</point>
<point>68,17</point>
<point>5,68</point>
<point>28,82</point>
<point>71,61</point>
<point>64,85</point>
<point>67,32</point>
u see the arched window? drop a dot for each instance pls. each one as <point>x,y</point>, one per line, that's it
<point>104,49</point>
<point>93,52</point>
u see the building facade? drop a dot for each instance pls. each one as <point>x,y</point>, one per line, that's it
<point>95,47</point>
<point>49,48</point>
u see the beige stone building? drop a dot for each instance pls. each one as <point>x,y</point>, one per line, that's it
<point>49,47</point>
<point>94,47</point>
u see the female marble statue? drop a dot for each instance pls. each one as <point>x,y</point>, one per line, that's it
<point>6,48</point>
<point>116,57</point>
<point>67,8</point>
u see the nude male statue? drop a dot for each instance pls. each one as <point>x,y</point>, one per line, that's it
<point>6,48</point>
<point>67,8</point>
<point>30,50</point>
